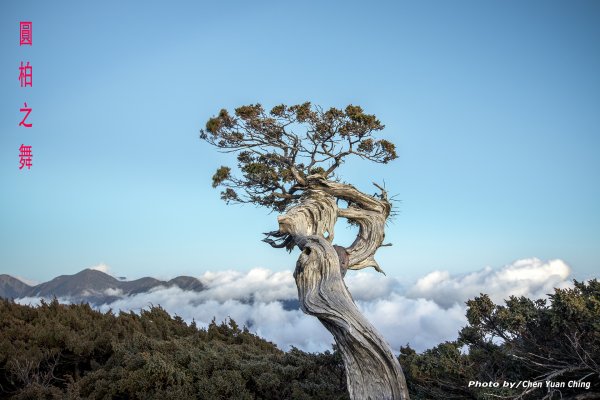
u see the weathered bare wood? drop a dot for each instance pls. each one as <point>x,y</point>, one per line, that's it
<point>368,212</point>
<point>370,237</point>
<point>372,370</point>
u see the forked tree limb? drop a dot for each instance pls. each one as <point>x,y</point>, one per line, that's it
<point>368,212</point>
<point>372,370</point>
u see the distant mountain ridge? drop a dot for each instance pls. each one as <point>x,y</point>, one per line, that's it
<point>91,286</point>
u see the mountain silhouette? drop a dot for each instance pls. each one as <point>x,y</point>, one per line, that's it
<point>90,286</point>
<point>12,288</point>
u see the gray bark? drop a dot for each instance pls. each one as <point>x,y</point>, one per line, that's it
<point>372,370</point>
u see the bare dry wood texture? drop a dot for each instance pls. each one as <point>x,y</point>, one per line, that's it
<point>372,370</point>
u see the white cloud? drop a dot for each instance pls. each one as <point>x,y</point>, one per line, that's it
<point>369,285</point>
<point>419,322</point>
<point>27,281</point>
<point>36,301</point>
<point>258,284</point>
<point>425,314</point>
<point>113,292</point>
<point>529,277</point>
<point>101,267</point>
<point>267,319</point>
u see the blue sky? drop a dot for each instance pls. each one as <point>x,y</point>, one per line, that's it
<point>494,107</point>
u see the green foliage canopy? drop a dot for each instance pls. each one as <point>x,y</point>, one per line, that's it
<point>555,340</point>
<point>60,351</point>
<point>278,149</point>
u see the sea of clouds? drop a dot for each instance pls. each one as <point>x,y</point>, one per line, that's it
<point>423,314</point>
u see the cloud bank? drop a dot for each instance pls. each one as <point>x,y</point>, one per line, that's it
<point>529,277</point>
<point>430,311</point>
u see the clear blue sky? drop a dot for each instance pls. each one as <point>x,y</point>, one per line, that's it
<point>494,106</point>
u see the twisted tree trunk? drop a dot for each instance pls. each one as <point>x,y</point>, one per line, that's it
<point>372,370</point>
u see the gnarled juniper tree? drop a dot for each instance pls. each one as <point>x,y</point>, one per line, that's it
<point>287,159</point>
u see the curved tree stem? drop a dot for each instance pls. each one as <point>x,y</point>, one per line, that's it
<point>371,368</point>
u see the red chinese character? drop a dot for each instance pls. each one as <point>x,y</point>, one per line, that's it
<point>28,111</point>
<point>25,37</point>
<point>25,74</point>
<point>25,156</point>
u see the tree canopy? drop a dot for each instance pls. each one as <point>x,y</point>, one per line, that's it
<point>534,341</point>
<point>278,149</point>
<point>58,351</point>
